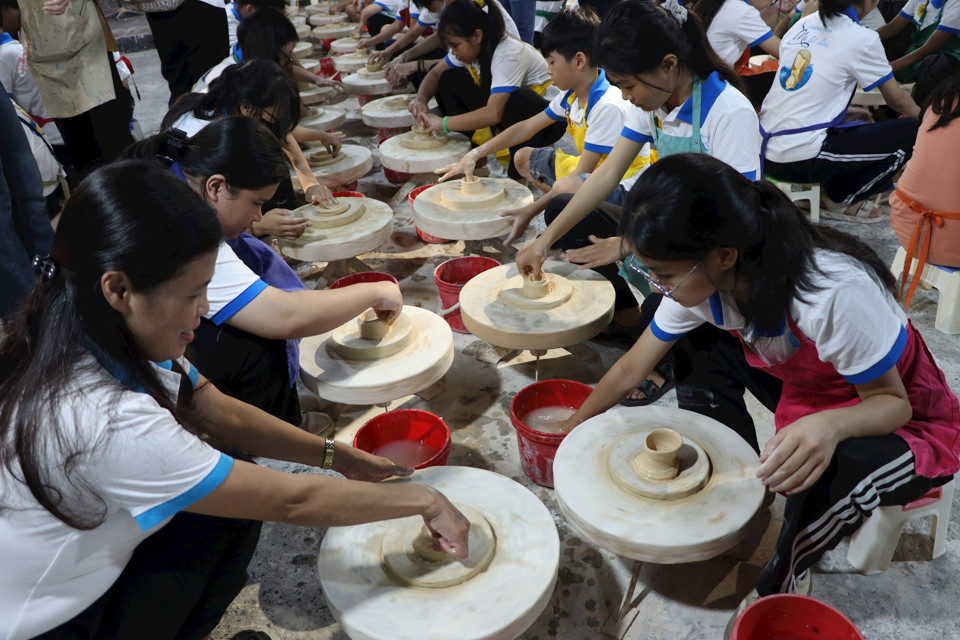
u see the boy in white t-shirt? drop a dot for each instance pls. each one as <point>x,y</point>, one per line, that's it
<point>240,9</point>
<point>382,20</point>
<point>934,50</point>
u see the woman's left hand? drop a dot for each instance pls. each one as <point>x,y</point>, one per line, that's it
<point>798,455</point>
<point>360,465</point>
<point>331,142</point>
<point>282,224</point>
<point>431,121</point>
<point>320,194</point>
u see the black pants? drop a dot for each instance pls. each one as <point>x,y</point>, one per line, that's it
<point>99,135</point>
<point>856,162</point>
<point>190,40</point>
<point>178,583</point>
<point>864,473</point>
<point>458,93</point>
<point>246,367</point>
<point>377,22</point>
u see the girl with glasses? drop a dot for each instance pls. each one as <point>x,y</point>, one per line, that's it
<point>866,417</point>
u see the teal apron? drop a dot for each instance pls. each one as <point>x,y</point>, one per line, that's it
<point>666,145</point>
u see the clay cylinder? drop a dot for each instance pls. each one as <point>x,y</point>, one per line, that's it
<point>371,327</point>
<point>658,460</point>
<point>535,288</point>
<point>471,187</point>
<point>423,546</point>
<point>374,66</point>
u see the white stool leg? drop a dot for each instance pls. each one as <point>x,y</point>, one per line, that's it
<point>873,544</point>
<point>948,306</point>
<point>941,520</point>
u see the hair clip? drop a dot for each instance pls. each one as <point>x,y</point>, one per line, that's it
<point>676,9</point>
<point>481,3</point>
<point>46,266</point>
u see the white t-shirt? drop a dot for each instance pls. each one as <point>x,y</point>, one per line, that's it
<point>514,65</point>
<point>391,8</point>
<point>605,114</point>
<point>190,124</point>
<point>430,19</point>
<point>233,21</point>
<point>144,466</point>
<point>925,12</point>
<point>873,20</point>
<point>729,130</point>
<point>203,83</point>
<point>855,323</point>
<point>546,10</point>
<point>821,65</point>
<point>46,162</point>
<point>232,288</point>
<point>736,27</point>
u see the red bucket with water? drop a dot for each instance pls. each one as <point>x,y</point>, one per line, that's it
<point>787,615</point>
<point>426,237</point>
<point>450,277</point>
<point>537,448</point>
<point>410,437</point>
<point>358,278</point>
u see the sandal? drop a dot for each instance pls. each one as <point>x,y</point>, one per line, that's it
<point>837,211</point>
<point>651,391</point>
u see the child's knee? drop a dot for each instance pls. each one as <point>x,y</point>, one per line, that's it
<point>567,184</point>
<point>521,160</point>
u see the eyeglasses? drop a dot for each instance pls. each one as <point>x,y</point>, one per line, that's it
<point>289,60</point>
<point>635,265</point>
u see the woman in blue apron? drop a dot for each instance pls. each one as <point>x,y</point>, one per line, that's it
<point>806,136</point>
<point>240,345</point>
<point>687,101</point>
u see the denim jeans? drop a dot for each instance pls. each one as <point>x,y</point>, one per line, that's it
<point>25,228</point>
<point>523,13</point>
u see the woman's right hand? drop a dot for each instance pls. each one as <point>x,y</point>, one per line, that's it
<point>418,107</point>
<point>449,527</point>
<point>388,301</point>
<point>601,251</point>
<point>530,259</point>
<point>281,223</point>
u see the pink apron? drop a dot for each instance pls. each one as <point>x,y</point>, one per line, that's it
<point>811,385</point>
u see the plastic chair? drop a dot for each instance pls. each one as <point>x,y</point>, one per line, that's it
<point>873,544</point>
<point>946,280</point>
<point>802,191</point>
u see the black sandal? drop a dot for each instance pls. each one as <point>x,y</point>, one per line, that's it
<point>249,634</point>
<point>651,391</point>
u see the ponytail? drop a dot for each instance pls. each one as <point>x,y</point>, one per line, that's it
<point>833,8</point>
<point>707,10</point>
<point>461,18</point>
<point>686,205</point>
<point>240,149</point>
<point>635,36</point>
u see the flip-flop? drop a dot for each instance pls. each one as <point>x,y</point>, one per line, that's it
<point>862,215</point>
<point>652,392</point>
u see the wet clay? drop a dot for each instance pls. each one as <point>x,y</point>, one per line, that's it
<point>423,138</point>
<point>447,210</point>
<point>368,338</point>
<point>362,227</point>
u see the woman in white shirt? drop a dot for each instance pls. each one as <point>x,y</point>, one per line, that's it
<point>99,422</point>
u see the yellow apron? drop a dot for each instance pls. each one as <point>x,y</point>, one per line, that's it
<point>68,56</point>
<point>565,164</point>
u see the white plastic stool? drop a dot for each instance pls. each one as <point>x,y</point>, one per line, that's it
<point>803,191</point>
<point>873,544</point>
<point>943,279</point>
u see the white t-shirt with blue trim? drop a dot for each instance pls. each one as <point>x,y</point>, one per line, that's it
<point>514,65</point>
<point>391,8</point>
<point>729,129</point>
<point>736,27</point>
<point>233,22</point>
<point>144,466</point>
<point>855,323</point>
<point>820,66</point>
<point>232,288</point>
<point>605,113</point>
<point>430,19</point>
<point>925,13</point>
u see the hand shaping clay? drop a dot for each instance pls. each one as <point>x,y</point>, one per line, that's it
<point>391,112</point>
<point>364,225</point>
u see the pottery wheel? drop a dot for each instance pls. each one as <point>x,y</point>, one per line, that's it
<point>310,65</point>
<point>420,363</point>
<point>351,163</point>
<point>325,18</point>
<point>324,118</point>
<point>592,467</point>
<point>344,45</point>
<point>333,30</point>
<point>445,213</point>
<point>351,62</point>
<point>497,603</point>
<point>315,95</point>
<point>396,154</point>
<point>391,112</point>
<point>302,49</point>
<point>363,226</point>
<point>303,29</point>
<point>491,313</point>
<point>366,83</point>
<point>349,343</point>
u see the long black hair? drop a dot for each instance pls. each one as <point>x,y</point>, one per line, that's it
<point>131,217</point>
<point>240,149</point>
<point>461,18</point>
<point>688,204</point>
<point>833,8</point>
<point>944,101</point>
<point>636,34</point>
<point>260,86</point>
<point>263,34</point>
<point>707,11</point>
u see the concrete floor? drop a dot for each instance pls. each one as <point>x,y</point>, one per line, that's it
<point>916,598</point>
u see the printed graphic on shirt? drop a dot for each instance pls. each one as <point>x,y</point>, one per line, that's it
<point>799,72</point>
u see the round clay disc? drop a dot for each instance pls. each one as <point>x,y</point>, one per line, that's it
<point>351,163</point>
<point>365,83</point>
<point>316,95</point>
<point>391,111</point>
<point>351,62</point>
<point>499,603</point>
<point>397,156</point>
<point>587,310</point>
<point>333,30</point>
<point>324,118</point>
<point>303,30</point>
<point>434,213</point>
<point>321,19</point>
<point>699,526</point>
<point>302,49</point>
<point>423,361</point>
<point>344,45</point>
<point>310,65</point>
<point>348,342</point>
<point>359,235</point>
